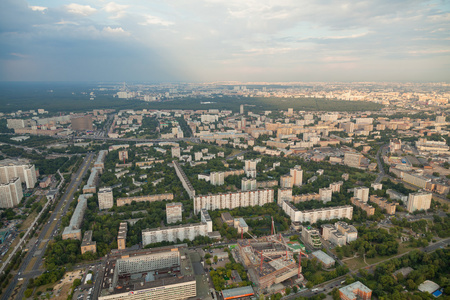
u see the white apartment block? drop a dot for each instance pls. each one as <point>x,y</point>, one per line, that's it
<point>105,198</point>
<point>250,168</point>
<point>325,194</point>
<point>419,201</point>
<point>176,152</point>
<point>10,169</point>
<point>149,262</point>
<point>233,200</point>
<point>184,179</point>
<point>206,218</point>
<point>11,193</point>
<point>284,195</point>
<point>362,193</point>
<point>314,215</point>
<point>174,233</point>
<point>297,175</point>
<point>174,212</point>
<point>217,178</point>
<point>248,184</point>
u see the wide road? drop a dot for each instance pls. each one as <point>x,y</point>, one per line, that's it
<point>36,250</point>
<point>381,151</point>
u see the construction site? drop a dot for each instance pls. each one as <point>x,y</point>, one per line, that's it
<point>269,260</point>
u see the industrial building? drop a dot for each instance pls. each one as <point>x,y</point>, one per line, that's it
<point>236,293</point>
<point>269,260</point>
<point>10,169</point>
<point>105,198</point>
<point>353,159</point>
<point>233,200</point>
<point>73,231</point>
<point>156,274</point>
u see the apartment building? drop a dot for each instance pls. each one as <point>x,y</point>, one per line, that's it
<point>10,169</point>
<point>11,193</point>
<point>233,200</point>
<point>174,212</point>
<point>105,198</point>
<point>419,201</point>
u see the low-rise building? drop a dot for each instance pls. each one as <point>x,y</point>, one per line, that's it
<point>355,291</point>
<point>369,209</point>
<point>87,244</point>
<point>122,236</point>
<point>390,207</point>
<point>326,260</point>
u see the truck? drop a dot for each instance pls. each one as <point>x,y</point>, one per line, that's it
<point>314,290</point>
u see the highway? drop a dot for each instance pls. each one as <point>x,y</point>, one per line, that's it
<point>382,173</point>
<point>37,250</point>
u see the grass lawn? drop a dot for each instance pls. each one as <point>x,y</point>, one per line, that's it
<point>358,262</point>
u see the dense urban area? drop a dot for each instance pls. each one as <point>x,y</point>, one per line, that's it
<point>225,190</point>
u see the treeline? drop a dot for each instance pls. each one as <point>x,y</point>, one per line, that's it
<point>426,266</point>
<point>371,242</point>
<point>312,271</point>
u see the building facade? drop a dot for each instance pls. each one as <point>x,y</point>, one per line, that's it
<point>419,201</point>
<point>233,200</point>
<point>174,212</point>
<point>105,198</point>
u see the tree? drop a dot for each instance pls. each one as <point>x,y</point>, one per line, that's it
<point>215,259</point>
<point>288,290</point>
<point>295,289</point>
<point>28,293</point>
<point>208,261</point>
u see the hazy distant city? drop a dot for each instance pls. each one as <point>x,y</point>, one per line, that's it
<point>219,150</point>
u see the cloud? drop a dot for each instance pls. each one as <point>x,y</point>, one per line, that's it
<point>78,9</point>
<point>118,10</point>
<point>115,31</point>
<point>38,8</point>
<point>152,20</point>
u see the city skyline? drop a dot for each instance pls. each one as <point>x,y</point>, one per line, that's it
<point>214,40</point>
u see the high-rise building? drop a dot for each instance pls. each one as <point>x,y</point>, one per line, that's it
<point>123,155</point>
<point>82,123</point>
<point>419,201</point>
<point>362,193</point>
<point>11,193</point>
<point>241,109</point>
<point>297,175</point>
<point>176,151</point>
<point>122,236</point>
<point>286,182</point>
<point>217,178</point>
<point>325,194</point>
<point>248,184</point>
<point>105,198</point>
<point>174,212</point>
<point>11,169</point>
<point>250,168</point>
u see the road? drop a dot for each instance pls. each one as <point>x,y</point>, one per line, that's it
<point>37,250</point>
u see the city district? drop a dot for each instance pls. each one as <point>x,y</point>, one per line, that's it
<point>221,204</point>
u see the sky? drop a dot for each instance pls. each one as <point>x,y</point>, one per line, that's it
<point>225,40</point>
